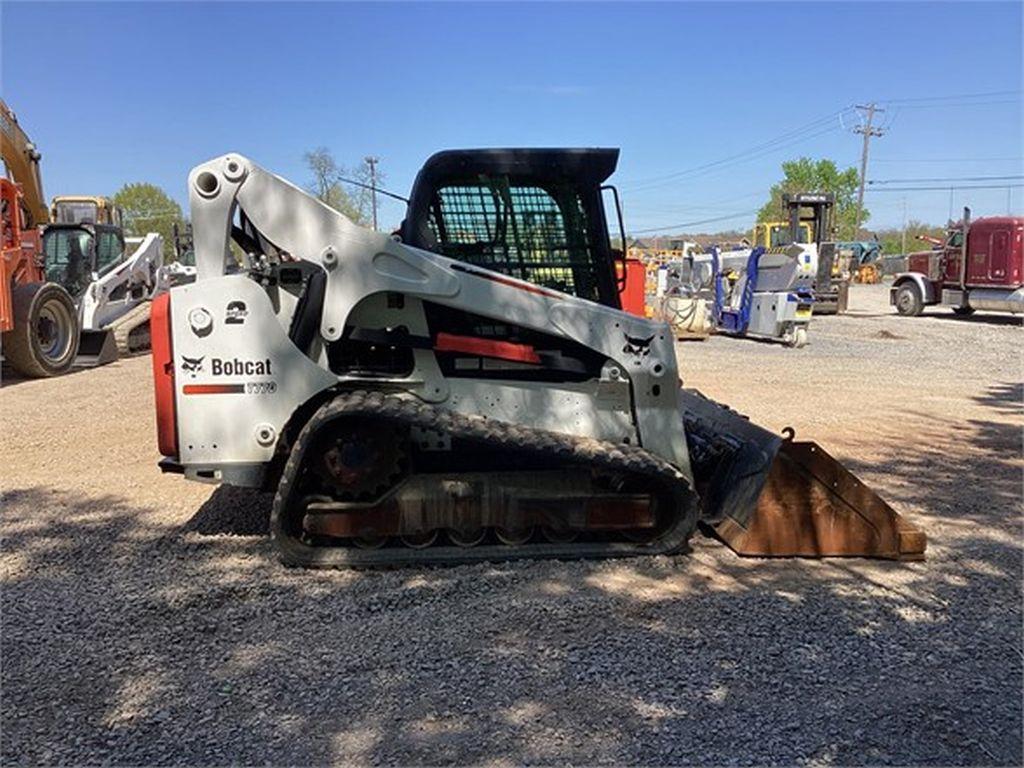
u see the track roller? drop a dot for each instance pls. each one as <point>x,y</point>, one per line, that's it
<point>419,540</point>
<point>514,537</point>
<point>469,537</point>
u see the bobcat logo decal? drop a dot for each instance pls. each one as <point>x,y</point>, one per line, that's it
<point>192,365</point>
<point>637,347</point>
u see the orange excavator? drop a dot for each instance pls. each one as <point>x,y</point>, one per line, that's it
<point>38,319</point>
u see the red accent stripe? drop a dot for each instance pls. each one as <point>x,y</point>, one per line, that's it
<point>163,375</point>
<point>471,345</point>
<point>522,286</point>
<point>213,389</point>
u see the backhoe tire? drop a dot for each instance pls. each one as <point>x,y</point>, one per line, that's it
<point>909,301</point>
<point>44,339</point>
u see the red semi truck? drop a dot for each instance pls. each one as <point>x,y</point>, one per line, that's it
<point>979,267</point>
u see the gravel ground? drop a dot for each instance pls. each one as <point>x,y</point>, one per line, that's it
<point>145,620</point>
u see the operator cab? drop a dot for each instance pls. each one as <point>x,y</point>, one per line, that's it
<point>72,209</point>
<point>774,234</point>
<point>533,214</point>
<point>76,255</point>
<point>184,247</point>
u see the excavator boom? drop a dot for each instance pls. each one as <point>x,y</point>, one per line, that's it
<point>22,160</point>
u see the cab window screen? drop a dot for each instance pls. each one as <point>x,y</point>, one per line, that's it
<point>108,251</point>
<point>530,232</point>
<point>77,213</point>
<point>68,259</point>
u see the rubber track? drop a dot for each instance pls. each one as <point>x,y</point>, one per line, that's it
<point>565,449</point>
<point>124,325</point>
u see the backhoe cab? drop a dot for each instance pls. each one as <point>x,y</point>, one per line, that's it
<point>85,209</point>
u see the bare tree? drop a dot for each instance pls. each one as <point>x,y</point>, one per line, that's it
<point>325,173</point>
<point>330,181</point>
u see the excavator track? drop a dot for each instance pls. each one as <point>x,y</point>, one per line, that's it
<point>647,476</point>
<point>131,330</point>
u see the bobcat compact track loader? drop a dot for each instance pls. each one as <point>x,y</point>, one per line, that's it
<point>467,389</point>
<point>112,280</point>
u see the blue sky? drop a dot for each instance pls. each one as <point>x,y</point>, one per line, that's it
<point>120,92</point>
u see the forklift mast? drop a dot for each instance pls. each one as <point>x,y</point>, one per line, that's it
<point>832,281</point>
<point>819,205</point>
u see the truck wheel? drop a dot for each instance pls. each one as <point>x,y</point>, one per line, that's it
<point>44,339</point>
<point>909,301</point>
<point>963,311</point>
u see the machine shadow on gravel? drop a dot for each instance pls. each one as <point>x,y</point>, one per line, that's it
<point>11,378</point>
<point>233,511</point>
<point>978,318</point>
<point>131,643</point>
<point>1005,397</point>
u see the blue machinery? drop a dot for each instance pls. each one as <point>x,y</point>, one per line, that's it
<point>734,320</point>
<point>774,300</point>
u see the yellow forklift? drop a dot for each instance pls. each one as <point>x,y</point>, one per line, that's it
<point>809,217</point>
<point>772,234</point>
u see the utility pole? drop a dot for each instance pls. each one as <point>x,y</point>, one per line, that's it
<point>372,162</point>
<point>903,246</point>
<point>868,130</point>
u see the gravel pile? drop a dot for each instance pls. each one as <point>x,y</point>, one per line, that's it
<point>145,620</point>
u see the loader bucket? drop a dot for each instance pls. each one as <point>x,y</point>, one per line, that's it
<point>768,496</point>
<point>96,348</point>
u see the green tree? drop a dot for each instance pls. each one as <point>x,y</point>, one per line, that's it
<point>807,175</point>
<point>147,208</point>
<point>328,186</point>
<point>892,239</point>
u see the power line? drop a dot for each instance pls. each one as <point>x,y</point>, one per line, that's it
<point>956,105</point>
<point>376,189</point>
<point>695,223</point>
<point>803,133</point>
<point>680,208</point>
<point>953,97</point>
<point>946,189</point>
<point>150,214</point>
<point>773,145</point>
<point>727,165</point>
<point>949,159</point>
<point>946,178</point>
